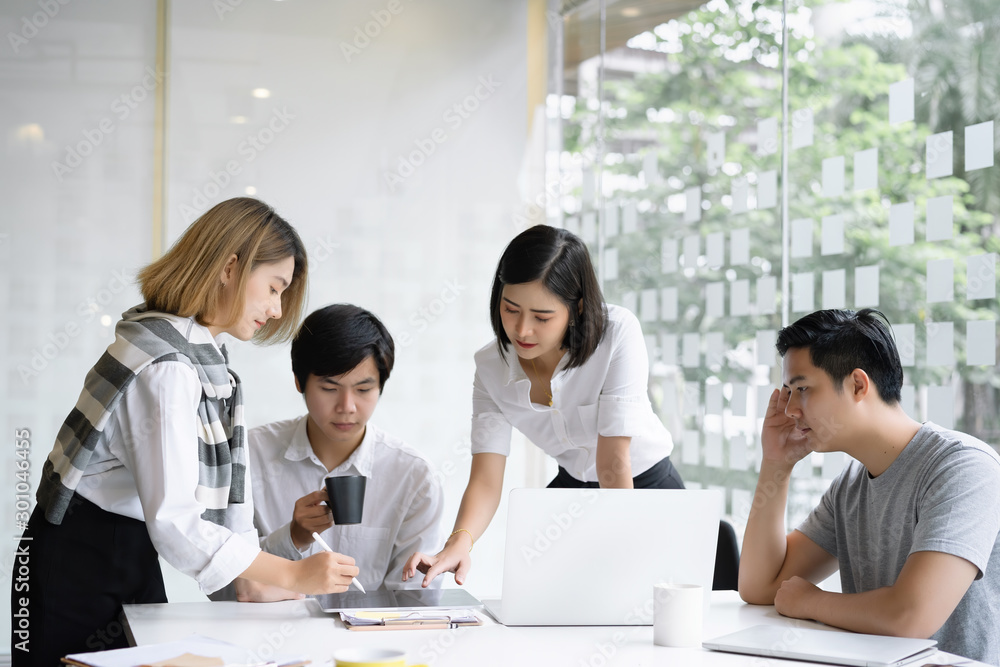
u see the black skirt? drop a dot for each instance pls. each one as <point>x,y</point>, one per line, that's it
<point>70,582</point>
<point>663,475</point>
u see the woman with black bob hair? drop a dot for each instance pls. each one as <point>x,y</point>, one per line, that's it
<point>575,385</point>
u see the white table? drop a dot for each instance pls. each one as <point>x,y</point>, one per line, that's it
<point>300,627</point>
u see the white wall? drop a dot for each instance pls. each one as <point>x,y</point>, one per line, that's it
<point>419,253</point>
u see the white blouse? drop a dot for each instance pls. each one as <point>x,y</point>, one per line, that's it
<point>605,396</point>
<point>145,466</point>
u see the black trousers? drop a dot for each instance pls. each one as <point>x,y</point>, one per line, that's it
<point>663,475</point>
<point>70,582</point>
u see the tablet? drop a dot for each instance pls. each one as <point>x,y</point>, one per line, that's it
<point>401,600</point>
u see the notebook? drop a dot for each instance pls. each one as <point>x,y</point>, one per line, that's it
<point>591,556</point>
<point>836,648</point>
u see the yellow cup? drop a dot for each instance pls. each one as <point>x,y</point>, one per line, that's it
<point>370,657</point>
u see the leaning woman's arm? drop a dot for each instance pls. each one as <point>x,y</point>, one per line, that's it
<point>614,466</point>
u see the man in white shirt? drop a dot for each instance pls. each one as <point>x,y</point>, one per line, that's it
<point>341,358</point>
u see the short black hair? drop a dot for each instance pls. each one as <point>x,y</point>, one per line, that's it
<point>841,340</point>
<point>561,262</point>
<point>335,339</point>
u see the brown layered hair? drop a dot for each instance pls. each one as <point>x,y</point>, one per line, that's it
<point>186,280</point>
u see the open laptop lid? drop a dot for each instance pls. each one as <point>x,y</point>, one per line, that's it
<point>836,648</point>
<point>591,556</point>
<point>401,600</point>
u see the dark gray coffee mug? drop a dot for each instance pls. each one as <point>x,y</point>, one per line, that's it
<point>347,498</point>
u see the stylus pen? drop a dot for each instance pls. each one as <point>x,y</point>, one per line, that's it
<point>326,547</point>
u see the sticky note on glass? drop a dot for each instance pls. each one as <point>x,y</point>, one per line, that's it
<point>833,176</point>
<point>803,288</point>
<point>765,347</point>
<point>715,249</point>
<point>713,399</point>
<point>981,343</point>
<point>833,235</point>
<point>981,277</point>
<point>939,155</point>
<point>979,146</point>
<point>630,218</point>
<point>739,298</point>
<point>767,288</point>
<point>689,448</point>
<point>713,445</point>
<point>715,348</point>
<point>941,344</point>
<point>691,350</point>
<point>834,289</point>
<point>715,296</point>
<point>802,237</point>
<point>763,398</point>
<point>692,398</point>
<point>833,463</point>
<point>741,195</point>
<point>650,170</point>
<point>588,228</point>
<point>901,224</point>
<point>668,256</point>
<point>767,189</point>
<point>692,248</point>
<point>739,247</point>
<point>940,280</point>
<point>767,136</point>
<point>630,301</point>
<point>908,400</point>
<point>802,128</point>
<point>866,292</point>
<point>668,304</point>
<point>901,101</point>
<point>611,263</point>
<point>715,143</point>
<point>940,218</point>
<point>648,311</point>
<point>738,456</point>
<point>866,169</point>
<point>587,187</point>
<point>906,343</point>
<point>692,209</point>
<point>668,350</point>
<point>738,403</point>
<point>742,498</point>
<point>611,220</point>
<point>941,406</point>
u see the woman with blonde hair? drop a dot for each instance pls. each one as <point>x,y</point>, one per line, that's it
<point>152,461</point>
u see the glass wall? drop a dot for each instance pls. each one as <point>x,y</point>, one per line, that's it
<point>740,186</point>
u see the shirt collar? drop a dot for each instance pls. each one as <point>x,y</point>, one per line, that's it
<point>515,373</point>
<point>361,459</point>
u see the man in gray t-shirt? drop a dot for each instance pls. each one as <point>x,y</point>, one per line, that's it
<point>912,523</point>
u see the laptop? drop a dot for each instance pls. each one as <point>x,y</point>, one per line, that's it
<point>399,600</point>
<point>836,648</point>
<point>591,556</point>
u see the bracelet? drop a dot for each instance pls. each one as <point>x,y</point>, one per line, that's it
<point>463,530</point>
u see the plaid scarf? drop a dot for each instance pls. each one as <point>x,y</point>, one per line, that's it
<point>143,338</point>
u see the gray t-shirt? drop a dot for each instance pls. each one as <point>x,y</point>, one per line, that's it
<point>941,494</point>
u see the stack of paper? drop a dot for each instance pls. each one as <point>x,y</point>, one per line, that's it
<point>403,620</point>
<point>195,651</point>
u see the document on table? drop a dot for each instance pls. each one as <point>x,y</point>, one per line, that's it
<point>195,651</point>
<point>436,618</point>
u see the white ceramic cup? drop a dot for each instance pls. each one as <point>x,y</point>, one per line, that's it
<point>677,614</point>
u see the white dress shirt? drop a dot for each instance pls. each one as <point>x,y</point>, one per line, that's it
<point>145,466</point>
<point>605,396</point>
<point>404,501</point>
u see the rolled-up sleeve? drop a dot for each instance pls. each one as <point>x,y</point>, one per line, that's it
<point>490,429</point>
<point>160,448</point>
<point>623,407</point>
